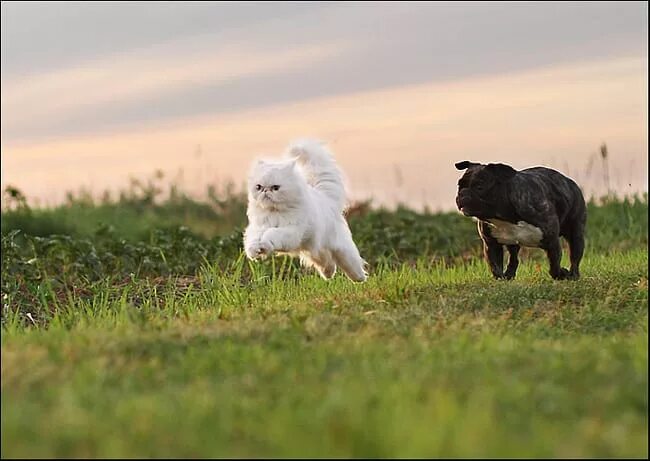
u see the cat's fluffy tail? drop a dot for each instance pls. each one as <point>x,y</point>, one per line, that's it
<point>320,169</point>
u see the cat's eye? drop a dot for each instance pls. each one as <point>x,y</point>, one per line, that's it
<point>258,187</point>
<point>276,188</point>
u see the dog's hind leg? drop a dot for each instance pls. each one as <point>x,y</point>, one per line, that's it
<point>576,241</point>
<point>554,253</point>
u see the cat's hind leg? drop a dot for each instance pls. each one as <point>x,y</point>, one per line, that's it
<point>322,261</point>
<point>347,257</point>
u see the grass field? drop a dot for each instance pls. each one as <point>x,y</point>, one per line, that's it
<point>174,345</point>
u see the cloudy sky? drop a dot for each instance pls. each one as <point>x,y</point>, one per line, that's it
<point>95,92</point>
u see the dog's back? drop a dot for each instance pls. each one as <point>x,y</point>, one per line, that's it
<point>566,195</point>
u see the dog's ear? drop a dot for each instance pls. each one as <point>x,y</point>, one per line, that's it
<point>465,164</point>
<point>501,170</point>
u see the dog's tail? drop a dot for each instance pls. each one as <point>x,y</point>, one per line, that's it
<point>320,169</point>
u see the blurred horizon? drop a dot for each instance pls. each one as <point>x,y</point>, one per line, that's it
<point>94,94</point>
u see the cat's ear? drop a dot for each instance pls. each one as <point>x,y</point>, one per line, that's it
<point>259,165</point>
<point>257,168</point>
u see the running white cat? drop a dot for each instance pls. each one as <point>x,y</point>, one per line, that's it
<point>295,206</point>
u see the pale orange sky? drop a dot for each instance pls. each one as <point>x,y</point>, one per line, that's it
<point>396,142</point>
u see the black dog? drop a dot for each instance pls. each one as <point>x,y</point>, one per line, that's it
<point>531,207</point>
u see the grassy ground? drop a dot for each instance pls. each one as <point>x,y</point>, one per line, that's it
<point>426,361</point>
<point>168,343</point>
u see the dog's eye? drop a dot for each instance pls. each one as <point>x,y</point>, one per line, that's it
<point>275,187</point>
<point>258,187</point>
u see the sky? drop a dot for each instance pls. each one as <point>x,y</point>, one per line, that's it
<point>94,93</point>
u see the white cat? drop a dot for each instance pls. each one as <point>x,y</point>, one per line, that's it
<point>295,206</point>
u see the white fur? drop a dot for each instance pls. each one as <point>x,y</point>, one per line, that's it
<point>522,233</point>
<point>304,216</point>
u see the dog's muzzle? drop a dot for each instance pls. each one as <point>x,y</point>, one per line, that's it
<point>462,199</point>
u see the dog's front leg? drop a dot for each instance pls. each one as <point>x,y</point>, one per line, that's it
<point>493,252</point>
<point>513,261</point>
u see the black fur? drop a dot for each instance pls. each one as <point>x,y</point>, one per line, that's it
<point>538,196</point>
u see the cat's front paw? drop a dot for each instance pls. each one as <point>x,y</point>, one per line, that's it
<point>259,250</point>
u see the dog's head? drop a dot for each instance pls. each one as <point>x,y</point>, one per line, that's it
<point>482,190</point>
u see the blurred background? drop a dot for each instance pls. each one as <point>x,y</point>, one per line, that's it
<point>96,94</point>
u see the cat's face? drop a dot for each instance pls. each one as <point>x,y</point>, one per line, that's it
<point>273,186</point>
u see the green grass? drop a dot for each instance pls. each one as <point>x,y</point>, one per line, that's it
<point>419,361</point>
<point>132,214</point>
<point>135,327</point>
